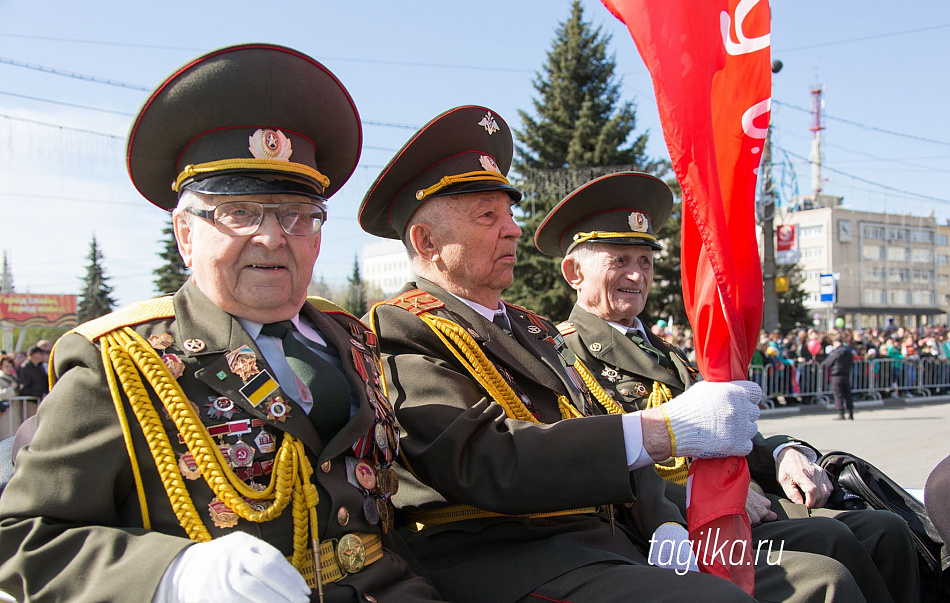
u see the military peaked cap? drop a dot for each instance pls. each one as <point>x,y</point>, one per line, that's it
<point>464,150</point>
<point>625,208</point>
<point>247,119</point>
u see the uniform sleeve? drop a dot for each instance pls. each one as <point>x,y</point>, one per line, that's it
<point>462,445</point>
<point>70,525</point>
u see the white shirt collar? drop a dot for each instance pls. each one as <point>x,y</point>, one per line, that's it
<point>624,329</point>
<point>486,312</point>
<point>254,329</point>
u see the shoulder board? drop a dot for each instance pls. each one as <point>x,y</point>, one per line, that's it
<point>567,328</point>
<point>133,314</point>
<point>517,307</point>
<point>416,301</point>
<point>325,305</point>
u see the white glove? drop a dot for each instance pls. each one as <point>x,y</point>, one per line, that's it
<point>237,567</point>
<point>714,419</point>
<point>670,549</point>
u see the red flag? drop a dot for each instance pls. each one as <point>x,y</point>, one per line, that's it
<point>711,69</point>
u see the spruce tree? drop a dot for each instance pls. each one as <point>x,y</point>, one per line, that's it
<point>792,312</point>
<point>95,300</point>
<point>6,279</point>
<point>356,293</point>
<point>666,292</point>
<point>581,130</point>
<point>170,276</point>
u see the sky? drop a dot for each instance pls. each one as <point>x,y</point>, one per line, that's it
<point>886,142</point>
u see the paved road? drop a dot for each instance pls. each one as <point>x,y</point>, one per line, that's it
<point>903,441</point>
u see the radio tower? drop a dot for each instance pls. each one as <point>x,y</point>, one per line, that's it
<point>816,127</point>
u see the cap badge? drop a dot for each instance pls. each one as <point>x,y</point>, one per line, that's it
<point>269,144</point>
<point>488,164</point>
<point>488,122</point>
<point>638,221</point>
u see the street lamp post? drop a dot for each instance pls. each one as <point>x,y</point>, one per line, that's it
<point>766,216</point>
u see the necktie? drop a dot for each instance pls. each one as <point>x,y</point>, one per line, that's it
<point>328,386</point>
<point>501,321</point>
<point>657,356</point>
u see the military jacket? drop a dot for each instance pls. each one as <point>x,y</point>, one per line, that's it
<point>458,446</point>
<point>628,374</point>
<point>71,523</point>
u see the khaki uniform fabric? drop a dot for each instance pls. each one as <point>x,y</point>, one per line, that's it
<point>459,447</point>
<point>70,521</point>
<point>856,539</point>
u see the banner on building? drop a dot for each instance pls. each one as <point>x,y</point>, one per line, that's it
<point>786,245</point>
<point>38,310</point>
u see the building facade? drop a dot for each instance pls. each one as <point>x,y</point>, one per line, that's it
<point>386,266</point>
<point>884,266</point>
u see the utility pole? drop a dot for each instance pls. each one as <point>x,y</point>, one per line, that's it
<point>766,211</point>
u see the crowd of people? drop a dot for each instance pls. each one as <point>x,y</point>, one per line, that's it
<point>22,375</point>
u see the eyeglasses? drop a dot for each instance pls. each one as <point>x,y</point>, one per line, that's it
<point>243,218</point>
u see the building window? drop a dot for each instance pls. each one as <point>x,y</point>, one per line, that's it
<point>874,297</point>
<point>923,298</point>
<point>924,256</point>
<point>923,276</point>
<point>922,236</point>
<point>898,254</point>
<point>941,259</point>
<point>898,296</point>
<point>872,252</point>
<point>813,252</point>
<point>812,230</point>
<point>874,232</point>
<point>897,234</point>
<point>873,274</point>
<point>942,240</point>
<point>898,275</point>
<point>943,279</point>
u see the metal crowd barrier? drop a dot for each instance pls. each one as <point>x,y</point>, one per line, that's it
<point>810,383</point>
<point>21,408</point>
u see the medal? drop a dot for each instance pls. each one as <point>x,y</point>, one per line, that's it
<point>365,475</point>
<point>610,374</point>
<point>219,406</point>
<point>385,514</point>
<point>370,511</point>
<point>175,366</point>
<point>392,480</point>
<point>534,329</point>
<point>241,454</point>
<point>343,516</point>
<point>221,514</point>
<point>160,342</point>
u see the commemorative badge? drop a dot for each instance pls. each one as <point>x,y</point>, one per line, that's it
<point>343,516</point>
<point>188,466</point>
<point>243,363</point>
<point>257,504</point>
<point>610,375</point>
<point>534,329</point>
<point>641,389</point>
<point>160,342</point>
<point>265,442</point>
<point>219,406</point>
<point>175,366</point>
<point>193,345</point>
<point>278,410</point>
<point>595,347</point>
<point>221,514</point>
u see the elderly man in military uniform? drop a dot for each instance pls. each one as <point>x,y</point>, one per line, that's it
<point>605,232</point>
<point>503,498</point>
<point>231,442</point>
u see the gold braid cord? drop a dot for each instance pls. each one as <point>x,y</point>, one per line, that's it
<point>661,394</point>
<point>128,355</point>
<point>466,350</point>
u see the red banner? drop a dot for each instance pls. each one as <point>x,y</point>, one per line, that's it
<point>29,309</point>
<point>711,69</point>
